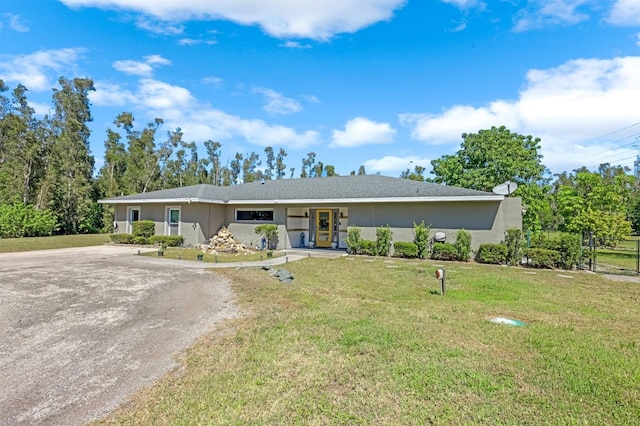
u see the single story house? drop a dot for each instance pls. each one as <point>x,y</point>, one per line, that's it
<point>315,212</point>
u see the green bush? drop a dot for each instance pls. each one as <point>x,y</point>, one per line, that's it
<point>353,240</point>
<point>368,247</point>
<point>142,241</point>
<point>121,238</point>
<point>542,258</point>
<point>492,253</point>
<point>405,249</point>
<point>23,220</point>
<point>444,251</point>
<point>421,238</point>
<point>513,239</point>
<point>568,245</point>
<point>167,240</point>
<point>463,245</point>
<point>268,231</point>
<point>383,240</point>
<point>143,228</point>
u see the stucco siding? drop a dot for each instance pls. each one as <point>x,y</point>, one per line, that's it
<point>486,221</point>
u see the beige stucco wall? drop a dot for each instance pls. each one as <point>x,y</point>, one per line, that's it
<point>486,221</point>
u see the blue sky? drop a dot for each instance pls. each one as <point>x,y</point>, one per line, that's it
<point>384,83</point>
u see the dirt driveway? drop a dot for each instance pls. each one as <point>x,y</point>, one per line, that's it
<point>84,328</point>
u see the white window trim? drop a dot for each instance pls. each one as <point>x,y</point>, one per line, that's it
<point>167,216</point>
<point>235,215</point>
<point>129,223</point>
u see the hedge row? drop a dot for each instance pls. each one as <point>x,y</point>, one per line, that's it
<point>561,251</point>
<point>163,240</point>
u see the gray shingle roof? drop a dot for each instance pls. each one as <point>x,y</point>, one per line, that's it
<point>327,188</point>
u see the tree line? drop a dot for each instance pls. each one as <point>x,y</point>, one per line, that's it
<point>48,185</point>
<point>47,181</point>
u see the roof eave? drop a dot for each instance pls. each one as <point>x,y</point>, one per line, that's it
<point>373,200</point>
<point>187,200</point>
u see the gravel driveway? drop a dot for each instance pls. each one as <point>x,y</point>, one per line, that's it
<point>84,328</point>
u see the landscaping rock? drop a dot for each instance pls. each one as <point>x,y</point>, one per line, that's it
<point>223,242</point>
<point>283,275</point>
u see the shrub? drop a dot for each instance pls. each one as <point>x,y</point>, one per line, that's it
<point>568,245</point>
<point>268,231</point>
<point>444,251</point>
<point>121,238</point>
<point>167,240</point>
<point>421,238</point>
<point>492,253</point>
<point>353,240</point>
<point>383,240</point>
<point>463,245</point>
<point>23,220</point>
<point>513,239</point>
<point>405,249</point>
<point>368,247</point>
<point>542,258</point>
<point>140,240</point>
<point>143,228</point>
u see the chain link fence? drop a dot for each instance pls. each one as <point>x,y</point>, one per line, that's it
<point>622,258</point>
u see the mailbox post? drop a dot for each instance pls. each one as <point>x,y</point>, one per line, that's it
<point>440,275</point>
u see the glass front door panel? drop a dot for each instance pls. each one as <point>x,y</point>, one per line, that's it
<point>174,221</point>
<point>323,228</point>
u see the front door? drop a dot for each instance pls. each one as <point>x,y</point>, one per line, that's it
<point>324,228</point>
<point>173,219</point>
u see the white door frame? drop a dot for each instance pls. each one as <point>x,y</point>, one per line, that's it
<point>129,226</point>
<point>167,214</point>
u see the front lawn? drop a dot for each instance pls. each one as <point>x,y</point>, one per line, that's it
<point>370,341</point>
<point>56,242</point>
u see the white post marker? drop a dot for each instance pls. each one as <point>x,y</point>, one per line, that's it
<point>440,275</point>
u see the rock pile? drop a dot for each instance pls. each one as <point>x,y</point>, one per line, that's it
<point>223,242</point>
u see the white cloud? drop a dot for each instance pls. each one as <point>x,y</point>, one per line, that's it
<point>142,69</point>
<point>133,67</point>
<point>33,70</point>
<point>312,99</point>
<point>179,108</point>
<point>14,23</point>
<point>194,41</point>
<point>393,163</point>
<point>569,107</point>
<point>156,60</point>
<point>463,4</point>
<point>277,103</point>
<point>542,13</point>
<point>295,45</point>
<point>362,131</point>
<point>159,27</point>
<point>213,81</point>
<point>279,18</point>
<point>625,12</point>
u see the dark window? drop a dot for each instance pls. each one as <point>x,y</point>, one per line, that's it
<point>264,215</point>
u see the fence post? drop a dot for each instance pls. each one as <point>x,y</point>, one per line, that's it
<point>638,257</point>
<point>592,258</point>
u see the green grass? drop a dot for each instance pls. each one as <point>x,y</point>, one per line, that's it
<point>191,254</point>
<point>44,243</point>
<point>355,341</point>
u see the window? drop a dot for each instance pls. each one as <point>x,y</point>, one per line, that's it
<point>258,215</point>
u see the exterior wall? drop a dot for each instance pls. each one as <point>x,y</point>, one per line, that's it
<point>486,221</point>
<point>198,221</point>
<point>244,231</point>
